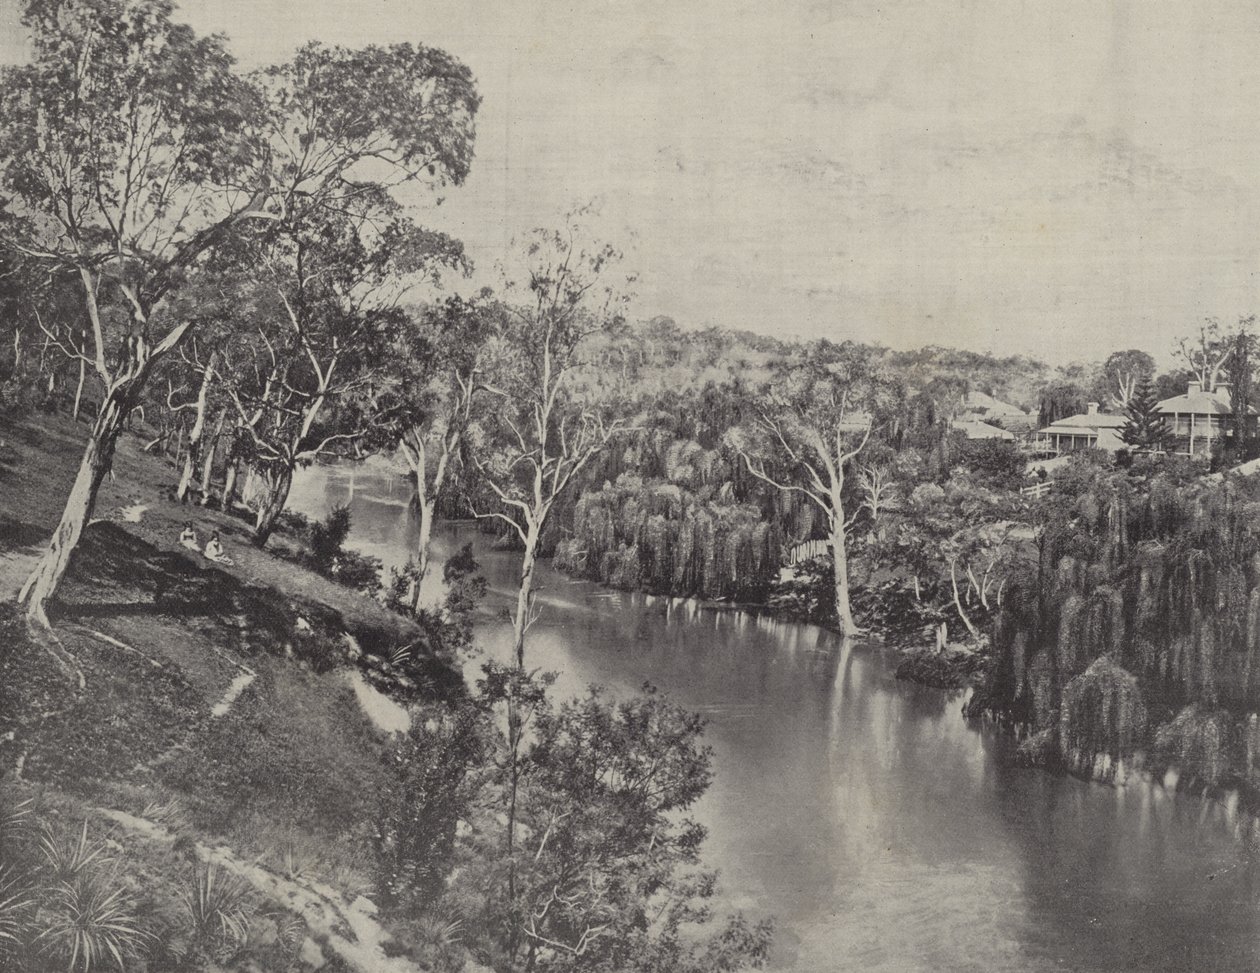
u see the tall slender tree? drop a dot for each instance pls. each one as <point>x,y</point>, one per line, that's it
<point>131,149</point>
<point>1144,428</point>
<point>547,412</point>
<point>1122,372</point>
<point>127,144</point>
<point>1205,353</point>
<point>327,318</point>
<point>443,359</point>
<point>1241,372</point>
<point>811,422</point>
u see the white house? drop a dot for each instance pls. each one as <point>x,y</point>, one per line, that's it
<point>1088,430</point>
<point>1200,420</point>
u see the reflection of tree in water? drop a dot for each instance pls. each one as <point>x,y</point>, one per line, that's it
<point>1138,877</point>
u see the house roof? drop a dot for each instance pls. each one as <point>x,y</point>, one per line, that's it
<point>974,429</point>
<point>1085,422</point>
<point>1197,403</point>
<point>987,404</point>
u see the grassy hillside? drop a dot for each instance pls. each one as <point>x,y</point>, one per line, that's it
<point>188,713</point>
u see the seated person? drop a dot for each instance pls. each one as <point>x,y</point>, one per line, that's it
<point>188,538</point>
<point>214,550</point>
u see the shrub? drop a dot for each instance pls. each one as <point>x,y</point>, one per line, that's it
<point>362,572</point>
<point>292,522</point>
<point>453,625</point>
<point>431,787</point>
<point>464,589</point>
<point>214,903</point>
<point>329,557</point>
<point>328,537</point>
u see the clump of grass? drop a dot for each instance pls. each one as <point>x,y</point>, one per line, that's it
<point>91,923</point>
<point>439,930</point>
<point>67,857</point>
<point>215,904</point>
<point>290,932</point>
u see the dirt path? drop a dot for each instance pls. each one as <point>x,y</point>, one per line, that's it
<point>351,931</point>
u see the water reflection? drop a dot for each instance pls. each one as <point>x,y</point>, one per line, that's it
<point>882,831</point>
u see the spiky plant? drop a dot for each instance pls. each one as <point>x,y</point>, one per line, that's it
<point>16,902</point>
<point>67,857</point>
<point>90,923</point>
<point>215,903</point>
<point>400,656</point>
<point>440,930</point>
<point>290,932</point>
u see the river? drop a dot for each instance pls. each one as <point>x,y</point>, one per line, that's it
<point>881,830</point>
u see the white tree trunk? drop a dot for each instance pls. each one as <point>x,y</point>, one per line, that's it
<point>78,389</point>
<point>207,466</point>
<point>840,560</point>
<point>196,435</point>
<point>423,540</point>
<point>953,580</point>
<point>98,455</point>
<point>525,594</point>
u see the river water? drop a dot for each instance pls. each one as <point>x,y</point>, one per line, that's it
<point>881,830</point>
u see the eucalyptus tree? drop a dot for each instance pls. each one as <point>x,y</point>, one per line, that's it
<point>443,359</point>
<point>1122,373</point>
<point>131,149</point>
<point>322,372</point>
<point>1205,353</point>
<point>808,425</point>
<point>547,411</point>
<point>50,310</point>
<point>127,145</point>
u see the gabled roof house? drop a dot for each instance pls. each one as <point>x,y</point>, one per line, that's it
<point>1088,430</point>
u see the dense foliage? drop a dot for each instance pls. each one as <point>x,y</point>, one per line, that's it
<point>1135,636</point>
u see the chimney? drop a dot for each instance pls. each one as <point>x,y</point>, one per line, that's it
<point>1093,409</point>
<point>1194,388</point>
<point>1222,392</point>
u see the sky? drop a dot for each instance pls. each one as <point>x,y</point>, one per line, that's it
<point>1054,179</point>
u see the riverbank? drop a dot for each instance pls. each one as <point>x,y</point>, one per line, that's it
<point>903,626</point>
<point>848,802</point>
<point>189,715</point>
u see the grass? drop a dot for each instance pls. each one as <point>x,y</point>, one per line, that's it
<point>289,775</point>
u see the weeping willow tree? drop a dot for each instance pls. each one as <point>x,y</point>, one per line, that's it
<point>1135,636</point>
<point>670,509</point>
<point>663,538</point>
